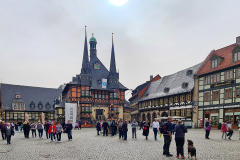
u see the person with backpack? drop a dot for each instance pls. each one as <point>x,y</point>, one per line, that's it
<point>146,129</point>
<point>166,130</point>
<point>40,129</point>
<point>33,128</point>
<point>180,130</point>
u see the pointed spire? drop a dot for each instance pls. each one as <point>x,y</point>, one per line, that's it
<point>112,62</point>
<point>85,62</point>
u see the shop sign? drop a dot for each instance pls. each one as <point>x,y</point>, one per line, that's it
<point>233,106</point>
<point>222,84</point>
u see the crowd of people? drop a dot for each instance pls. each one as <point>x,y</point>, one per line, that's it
<point>53,131</point>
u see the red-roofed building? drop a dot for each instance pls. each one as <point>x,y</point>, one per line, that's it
<point>219,86</point>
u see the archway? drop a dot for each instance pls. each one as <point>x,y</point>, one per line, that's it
<point>164,114</point>
<point>149,117</point>
<point>143,117</point>
<point>154,115</point>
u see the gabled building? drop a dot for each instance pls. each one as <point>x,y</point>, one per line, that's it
<point>169,96</point>
<point>18,100</point>
<point>219,86</point>
<point>96,89</point>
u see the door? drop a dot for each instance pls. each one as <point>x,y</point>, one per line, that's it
<point>99,112</point>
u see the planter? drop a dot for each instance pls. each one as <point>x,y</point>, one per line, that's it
<point>86,111</point>
<point>117,112</point>
<point>219,125</point>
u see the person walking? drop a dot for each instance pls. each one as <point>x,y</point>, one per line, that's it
<point>224,129</point>
<point>180,130</point>
<point>58,131</point>
<point>40,129</point>
<point>125,129</point>
<point>9,133</point>
<point>146,129</point>
<point>69,130</point>
<point>98,126</point>
<point>230,133</point>
<point>46,126</point>
<point>155,127</point>
<point>120,123</point>
<point>33,128</point>
<point>51,131</point>
<point>113,124</point>
<point>27,128</point>
<point>79,124</point>
<point>167,137</point>
<point>134,128</point>
<point>105,127</point>
<point>3,130</point>
<point>20,126</point>
<point>208,129</point>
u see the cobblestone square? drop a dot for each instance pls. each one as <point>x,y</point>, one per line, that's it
<point>86,145</point>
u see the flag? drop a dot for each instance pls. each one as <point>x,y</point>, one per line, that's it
<point>43,118</point>
<point>26,117</point>
<point>104,83</point>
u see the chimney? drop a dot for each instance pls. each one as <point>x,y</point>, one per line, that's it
<point>151,77</point>
<point>238,40</point>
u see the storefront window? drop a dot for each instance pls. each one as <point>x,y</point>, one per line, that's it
<point>188,113</point>
<point>214,118</point>
<point>228,116</point>
<point>178,112</point>
<point>172,113</point>
<point>236,117</point>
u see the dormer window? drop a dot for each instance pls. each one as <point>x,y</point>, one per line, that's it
<point>189,72</point>
<point>17,96</point>
<point>236,56</point>
<point>184,84</point>
<point>166,90</point>
<point>32,105</point>
<point>214,63</point>
<point>40,105</point>
<point>48,106</point>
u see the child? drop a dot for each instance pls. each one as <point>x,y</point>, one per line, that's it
<point>230,133</point>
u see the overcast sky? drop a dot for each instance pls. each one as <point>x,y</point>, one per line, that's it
<point>41,41</point>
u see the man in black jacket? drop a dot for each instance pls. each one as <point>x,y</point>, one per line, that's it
<point>47,125</point>
<point>113,124</point>
<point>105,128</point>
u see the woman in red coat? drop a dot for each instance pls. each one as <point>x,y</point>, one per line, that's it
<point>224,129</point>
<point>51,131</point>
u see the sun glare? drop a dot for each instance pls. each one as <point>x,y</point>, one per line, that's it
<point>118,2</point>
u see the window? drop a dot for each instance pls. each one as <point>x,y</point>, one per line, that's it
<point>207,96</point>
<point>214,63</point>
<point>156,102</point>
<point>18,96</point>
<point>236,56</point>
<point>184,84</point>
<point>182,98</point>
<point>189,97</point>
<point>11,116</point>
<point>19,116</point>
<point>189,72</point>
<point>166,90</point>
<point>165,100</point>
<point>229,75</point>
<point>40,105</point>
<point>116,95</point>
<point>207,80</point>
<point>172,113</point>
<point>238,72</point>
<point>85,91</point>
<point>33,116</point>
<point>216,78</point>
<point>176,99</point>
<point>111,95</point>
<point>188,113</point>
<point>178,112</point>
<point>161,101</point>
<point>228,93</point>
<point>171,100</point>
<point>215,95</point>
<point>237,92</point>
<point>48,106</point>
<point>32,105</point>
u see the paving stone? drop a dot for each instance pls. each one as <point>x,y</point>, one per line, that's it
<point>86,145</point>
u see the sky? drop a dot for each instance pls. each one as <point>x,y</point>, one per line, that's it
<point>41,41</point>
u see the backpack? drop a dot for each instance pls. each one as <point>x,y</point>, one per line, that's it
<point>163,128</point>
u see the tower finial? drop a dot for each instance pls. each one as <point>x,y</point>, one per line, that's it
<point>92,34</point>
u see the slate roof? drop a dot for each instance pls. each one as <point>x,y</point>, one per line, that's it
<point>27,95</point>
<point>173,82</point>
<point>225,53</point>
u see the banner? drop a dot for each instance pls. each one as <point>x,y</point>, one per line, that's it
<point>71,112</point>
<point>26,117</point>
<point>104,83</point>
<point>43,118</point>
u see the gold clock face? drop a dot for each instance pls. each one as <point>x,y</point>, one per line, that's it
<point>96,66</point>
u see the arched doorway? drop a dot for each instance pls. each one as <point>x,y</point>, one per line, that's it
<point>143,117</point>
<point>154,115</point>
<point>149,117</point>
<point>164,114</point>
